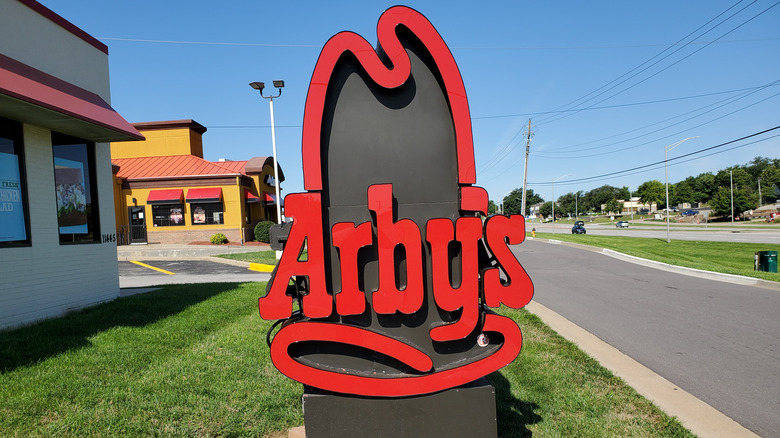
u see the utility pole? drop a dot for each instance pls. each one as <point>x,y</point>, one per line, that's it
<point>525,172</point>
<point>759,191</point>
<point>731,183</point>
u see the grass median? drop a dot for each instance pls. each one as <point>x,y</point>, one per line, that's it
<point>724,257</point>
<point>191,360</point>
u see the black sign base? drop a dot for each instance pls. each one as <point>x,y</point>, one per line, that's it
<point>465,411</point>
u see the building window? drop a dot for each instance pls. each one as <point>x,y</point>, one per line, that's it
<point>76,189</point>
<point>14,215</point>
<point>168,215</point>
<point>207,214</point>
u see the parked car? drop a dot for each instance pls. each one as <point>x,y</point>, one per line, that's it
<point>578,228</point>
<point>690,213</point>
<point>621,224</point>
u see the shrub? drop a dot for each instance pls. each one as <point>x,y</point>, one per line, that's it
<point>219,239</point>
<point>262,231</point>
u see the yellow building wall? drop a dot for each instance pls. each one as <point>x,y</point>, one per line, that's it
<point>233,215</point>
<point>160,142</point>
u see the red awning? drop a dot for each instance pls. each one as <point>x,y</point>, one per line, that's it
<point>270,199</point>
<point>250,197</point>
<point>168,196</point>
<point>206,194</point>
<point>32,96</point>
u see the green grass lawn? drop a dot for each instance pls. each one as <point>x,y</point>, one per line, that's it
<point>726,257</point>
<point>265,257</point>
<point>191,360</point>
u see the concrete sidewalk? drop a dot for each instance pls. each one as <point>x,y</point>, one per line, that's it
<point>181,251</point>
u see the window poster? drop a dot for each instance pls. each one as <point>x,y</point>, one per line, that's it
<point>199,215</point>
<point>176,215</point>
<point>11,209</point>
<point>71,196</point>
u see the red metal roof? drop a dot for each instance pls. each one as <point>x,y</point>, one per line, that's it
<point>168,166</point>
<point>165,195</point>
<point>204,194</point>
<point>236,166</point>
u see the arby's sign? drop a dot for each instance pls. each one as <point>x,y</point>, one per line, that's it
<point>400,269</point>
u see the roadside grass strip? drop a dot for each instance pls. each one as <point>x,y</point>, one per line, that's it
<point>736,258</point>
<point>191,360</point>
<point>152,267</point>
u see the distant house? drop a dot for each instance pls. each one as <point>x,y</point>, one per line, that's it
<point>57,233</point>
<point>634,205</point>
<point>166,192</point>
<point>534,210</point>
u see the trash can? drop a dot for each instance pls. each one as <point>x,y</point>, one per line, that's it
<point>766,261</point>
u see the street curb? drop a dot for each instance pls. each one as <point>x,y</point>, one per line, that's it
<point>700,273</point>
<point>696,415</point>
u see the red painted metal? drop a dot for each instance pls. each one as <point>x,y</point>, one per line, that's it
<point>211,194</point>
<point>349,238</point>
<point>473,199</point>
<point>439,234</point>
<point>518,290</point>
<point>435,380</point>
<point>307,231</point>
<point>165,195</point>
<point>387,77</point>
<point>390,298</point>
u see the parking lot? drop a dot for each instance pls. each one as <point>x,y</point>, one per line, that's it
<point>159,272</point>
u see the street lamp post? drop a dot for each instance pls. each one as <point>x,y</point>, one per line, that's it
<point>666,171</point>
<point>553,198</point>
<point>279,85</point>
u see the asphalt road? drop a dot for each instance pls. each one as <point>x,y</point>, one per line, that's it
<point>690,232</point>
<point>183,272</point>
<point>718,341</point>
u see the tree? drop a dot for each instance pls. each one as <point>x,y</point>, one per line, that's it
<point>513,202</point>
<point>613,206</point>
<point>770,182</point>
<point>566,203</point>
<point>704,187</point>
<point>492,207</point>
<point>652,191</point>
<point>741,178</point>
<point>546,209</point>
<point>682,192</point>
<point>595,198</point>
<point>743,201</point>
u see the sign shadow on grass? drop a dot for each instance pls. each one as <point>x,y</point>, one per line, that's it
<point>513,415</point>
<point>37,342</point>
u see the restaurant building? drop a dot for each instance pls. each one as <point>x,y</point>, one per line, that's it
<point>166,192</point>
<point>57,227</point>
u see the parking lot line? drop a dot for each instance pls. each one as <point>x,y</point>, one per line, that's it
<point>259,267</point>
<point>152,267</point>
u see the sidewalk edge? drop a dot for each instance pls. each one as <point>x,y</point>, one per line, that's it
<point>696,415</point>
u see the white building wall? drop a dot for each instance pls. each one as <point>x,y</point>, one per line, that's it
<point>48,279</point>
<point>31,38</point>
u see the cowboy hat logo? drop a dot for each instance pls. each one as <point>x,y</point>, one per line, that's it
<point>400,269</point>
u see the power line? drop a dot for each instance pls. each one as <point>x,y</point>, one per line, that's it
<point>673,164</point>
<point>622,105</point>
<point>732,100</point>
<point>607,85</point>
<point>679,60</point>
<point>319,46</point>
<point>571,181</point>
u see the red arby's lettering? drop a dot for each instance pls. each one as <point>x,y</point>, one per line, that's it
<point>499,231</point>
<point>440,233</point>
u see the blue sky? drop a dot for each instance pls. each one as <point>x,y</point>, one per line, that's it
<point>174,60</point>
